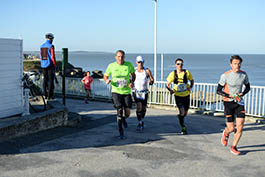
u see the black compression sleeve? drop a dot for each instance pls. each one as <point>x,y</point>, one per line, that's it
<point>169,89</point>
<point>247,89</point>
<point>221,92</point>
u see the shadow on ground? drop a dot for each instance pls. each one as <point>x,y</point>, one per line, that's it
<point>79,137</point>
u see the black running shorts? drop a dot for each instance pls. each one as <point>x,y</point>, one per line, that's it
<point>232,110</point>
<point>183,102</point>
<point>144,102</point>
<point>122,101</point>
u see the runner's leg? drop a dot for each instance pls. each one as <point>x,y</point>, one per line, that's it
<point>51,83</point>
<point>230,118</point>
<point>139,114</point>
<point>45,82</point>
<point>139,110</point>
<point>119,120</point>
<point>181,116</point>
<point>144,105</point>
<point>116,98</point>
<point>239,130</point>
<point>230,125</point>
<point>127,104</point>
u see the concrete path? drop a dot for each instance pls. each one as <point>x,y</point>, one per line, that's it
<point>93,149</point>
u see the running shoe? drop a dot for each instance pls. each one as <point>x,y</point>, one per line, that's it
<point>138,128</point>
<point>224,139</point>
<point>142,126</point>
<point>121,137</point>
<point>184,131</point>
<point>234,150</point>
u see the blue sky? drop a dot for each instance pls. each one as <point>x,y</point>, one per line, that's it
<point>190,26</point>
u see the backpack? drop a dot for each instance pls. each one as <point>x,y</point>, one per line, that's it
<point>185,80</point>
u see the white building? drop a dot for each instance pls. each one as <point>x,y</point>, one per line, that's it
<point>11,71</point>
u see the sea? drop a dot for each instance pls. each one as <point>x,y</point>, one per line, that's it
<point>205,68</point>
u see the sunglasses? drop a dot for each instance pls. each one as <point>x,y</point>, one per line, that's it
<point>140,62</point>
<point>179,63</point>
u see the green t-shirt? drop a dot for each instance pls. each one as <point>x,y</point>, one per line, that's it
<point>120,77</point>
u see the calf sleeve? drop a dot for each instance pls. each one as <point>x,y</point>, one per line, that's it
<point>119,112</point>
<point>119,118</point>
<point>119,122</point>
<point>143,112</point>
<point>139,115</point>
<point>181,120</point>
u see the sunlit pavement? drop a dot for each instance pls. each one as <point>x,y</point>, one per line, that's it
<point>93,149</point>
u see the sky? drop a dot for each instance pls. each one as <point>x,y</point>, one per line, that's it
<point>190,26</point>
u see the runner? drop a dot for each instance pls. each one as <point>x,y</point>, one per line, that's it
<point>123,76</point>
<point>140,94</point>
<point>181,90</point>
<point>87,80</point>
<point>230,87</point>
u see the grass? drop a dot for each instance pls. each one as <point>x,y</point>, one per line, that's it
<point>29,65</point>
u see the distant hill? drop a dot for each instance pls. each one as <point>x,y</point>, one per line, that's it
<point>90,52</point>
<point>71,52</point>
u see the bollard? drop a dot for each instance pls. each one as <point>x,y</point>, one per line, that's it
<point>64,63</point>
<point>26,102</point>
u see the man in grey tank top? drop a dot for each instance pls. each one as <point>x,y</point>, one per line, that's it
<point>230,87</point>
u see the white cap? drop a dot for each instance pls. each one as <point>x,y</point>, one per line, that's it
<point>139,59</point>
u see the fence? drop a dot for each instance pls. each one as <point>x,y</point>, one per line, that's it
<point>203,95</point>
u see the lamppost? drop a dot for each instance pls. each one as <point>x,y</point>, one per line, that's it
<point>155,42</point>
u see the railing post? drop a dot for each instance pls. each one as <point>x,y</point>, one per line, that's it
<point>162,66</point>
<point>26,102</point>
<point>64,63</point>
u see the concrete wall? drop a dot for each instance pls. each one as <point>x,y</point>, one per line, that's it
<point>19,126</point>
<point>11,71</point>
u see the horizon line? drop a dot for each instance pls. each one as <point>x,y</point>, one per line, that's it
<point>194,53</point>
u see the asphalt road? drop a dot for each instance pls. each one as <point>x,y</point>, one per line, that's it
<point>92,149</point>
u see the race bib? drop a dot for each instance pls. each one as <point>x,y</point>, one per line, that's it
<point>181,87</point>
<point>121,83</point>
<point>140,95</point>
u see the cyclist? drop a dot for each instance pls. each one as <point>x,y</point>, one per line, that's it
<point>230,87</point>
<point>123,76</point>
<point>48,63</point>
<point>181,90</point>
<point>142,75</point>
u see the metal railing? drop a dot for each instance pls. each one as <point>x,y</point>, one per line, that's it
<point>74,87</point>
<point>203,95</point>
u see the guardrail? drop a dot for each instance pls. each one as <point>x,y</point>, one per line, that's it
<point>203,95</point>
<point>75,87</point>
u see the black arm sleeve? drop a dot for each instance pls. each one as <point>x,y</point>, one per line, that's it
<point>221,92</point>
<point>168,88</point>
<point>247,89</point>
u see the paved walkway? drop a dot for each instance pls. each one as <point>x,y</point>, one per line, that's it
<point>93,149</point>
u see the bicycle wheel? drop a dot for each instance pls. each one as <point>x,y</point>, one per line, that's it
<point>36,99</point>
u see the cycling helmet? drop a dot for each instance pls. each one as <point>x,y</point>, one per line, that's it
<point>49,36</point>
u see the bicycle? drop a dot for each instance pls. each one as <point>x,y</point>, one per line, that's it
<point>36,99</point>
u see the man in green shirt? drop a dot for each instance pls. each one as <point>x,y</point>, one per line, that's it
<point>122,73</point>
